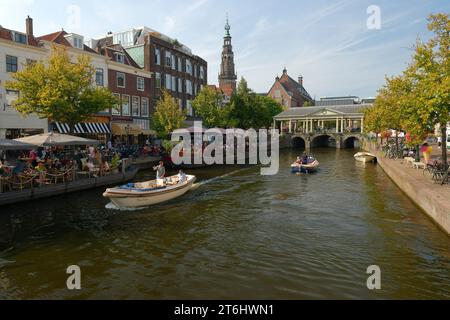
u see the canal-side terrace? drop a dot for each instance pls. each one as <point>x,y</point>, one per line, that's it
<point>316,126</point>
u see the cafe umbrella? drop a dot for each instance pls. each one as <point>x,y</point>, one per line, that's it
<point>53,139</point>
<point>11,145</point>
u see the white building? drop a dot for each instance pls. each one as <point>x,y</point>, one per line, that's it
<point>16,50</point>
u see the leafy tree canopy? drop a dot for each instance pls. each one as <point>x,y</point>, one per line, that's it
<point>60,90</point>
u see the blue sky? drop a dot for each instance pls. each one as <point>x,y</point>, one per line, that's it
<point>328,42</point>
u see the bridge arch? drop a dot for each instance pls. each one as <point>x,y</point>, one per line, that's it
<point>352,142</point>
<point>323,141</point>
<point>298,142</point>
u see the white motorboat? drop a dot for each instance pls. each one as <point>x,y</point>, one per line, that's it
<point>365,157</point>
<point>141,195</point>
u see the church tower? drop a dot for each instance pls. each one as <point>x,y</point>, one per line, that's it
<point>227,76</point>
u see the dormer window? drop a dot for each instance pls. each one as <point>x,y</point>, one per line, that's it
<point>76,40</point>
<point>78,43</point>
<point>20,38</point>
<point>120,57</point>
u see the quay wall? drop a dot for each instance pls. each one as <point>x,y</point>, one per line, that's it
<point>433,199</point>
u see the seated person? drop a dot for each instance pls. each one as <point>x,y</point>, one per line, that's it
<point>41,167</point>
<point>298,161</point>
<point>20,167</point>
<point>182,177</point>
<point>304,158</point>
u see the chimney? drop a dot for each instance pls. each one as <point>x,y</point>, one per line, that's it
<point>29,26</point>
<point>300,80</point>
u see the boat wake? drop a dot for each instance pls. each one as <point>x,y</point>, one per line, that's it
<point>198,185</point>
<point>112,206</point>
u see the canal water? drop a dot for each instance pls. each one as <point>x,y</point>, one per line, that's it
<point>239,235</point>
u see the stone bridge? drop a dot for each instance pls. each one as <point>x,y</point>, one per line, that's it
<point>314,140</point>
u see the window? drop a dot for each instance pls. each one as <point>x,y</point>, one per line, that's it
<point>277,94</point>
<point>11,96</point>
<point>195,71</point>
<point>136,107</point>
<point>158,80</point>
<point>180,85</point>
<point>158,57</point>
<point>124,38</point>
<point>99,77</point>
<point>20,38</point>
<point>116,108</point>
<point>188,67</point>
<point>202,73</point>
<point>120,57</point>
<point>125,105</point>
<point>11,64</point>
<point>168,59</point>
<point>189,108</point>
<point>168,82</point>
<point>174,62</point>
<point>121,80</point>
<point>180,65</point>
<point>188,87</point>
<point>145,108</point>
<point>140,84</point>
<point>174,84</point>
<point>78,43</point>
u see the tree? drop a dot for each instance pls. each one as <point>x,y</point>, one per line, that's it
<point>419,99</point>
<point>60,90</point>
<point>430,72</point>
<point>168,116</point>
<point>209,106</point>
<point>269,109</point>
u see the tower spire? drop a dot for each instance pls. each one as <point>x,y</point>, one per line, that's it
<point>227,76</point>
<point>227,28</point>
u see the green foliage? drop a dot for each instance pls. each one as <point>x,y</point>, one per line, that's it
<point>419,99</point>
<point>209,105</point>
<point>60,90</point>
<point>245,110</point>
<point>249,110</point>
<point>168,116</point>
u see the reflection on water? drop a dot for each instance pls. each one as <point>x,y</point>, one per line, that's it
<point>239,236</point>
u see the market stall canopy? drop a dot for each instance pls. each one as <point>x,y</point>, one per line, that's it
<point>53,139</point>
<point>6,144</point>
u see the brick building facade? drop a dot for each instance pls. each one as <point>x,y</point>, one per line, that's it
<point>290,93</point>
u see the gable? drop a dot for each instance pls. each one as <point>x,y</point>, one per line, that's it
<point>326,113</point>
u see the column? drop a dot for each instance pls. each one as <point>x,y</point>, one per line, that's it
<point>290,126</point>
<point>342,125</point>
<point>362,125</point>
<point>337,125</point>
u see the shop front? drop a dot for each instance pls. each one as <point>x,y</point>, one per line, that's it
<point>97,128</point>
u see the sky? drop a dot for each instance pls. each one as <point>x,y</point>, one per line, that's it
<point>342,47</point>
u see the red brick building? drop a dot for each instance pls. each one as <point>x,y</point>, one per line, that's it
<point>130,120</point>
<point>173,65</point>
<point>290,93</point>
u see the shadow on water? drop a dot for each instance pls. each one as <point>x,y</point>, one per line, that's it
<point>238,235</point>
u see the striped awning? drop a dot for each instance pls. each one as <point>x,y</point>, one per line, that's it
<point>93,128</point>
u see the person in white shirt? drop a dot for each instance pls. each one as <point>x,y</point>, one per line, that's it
<point>182,177</point>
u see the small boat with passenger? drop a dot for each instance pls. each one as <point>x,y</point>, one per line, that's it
<point>144,194</point>
<point>305,164</point>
